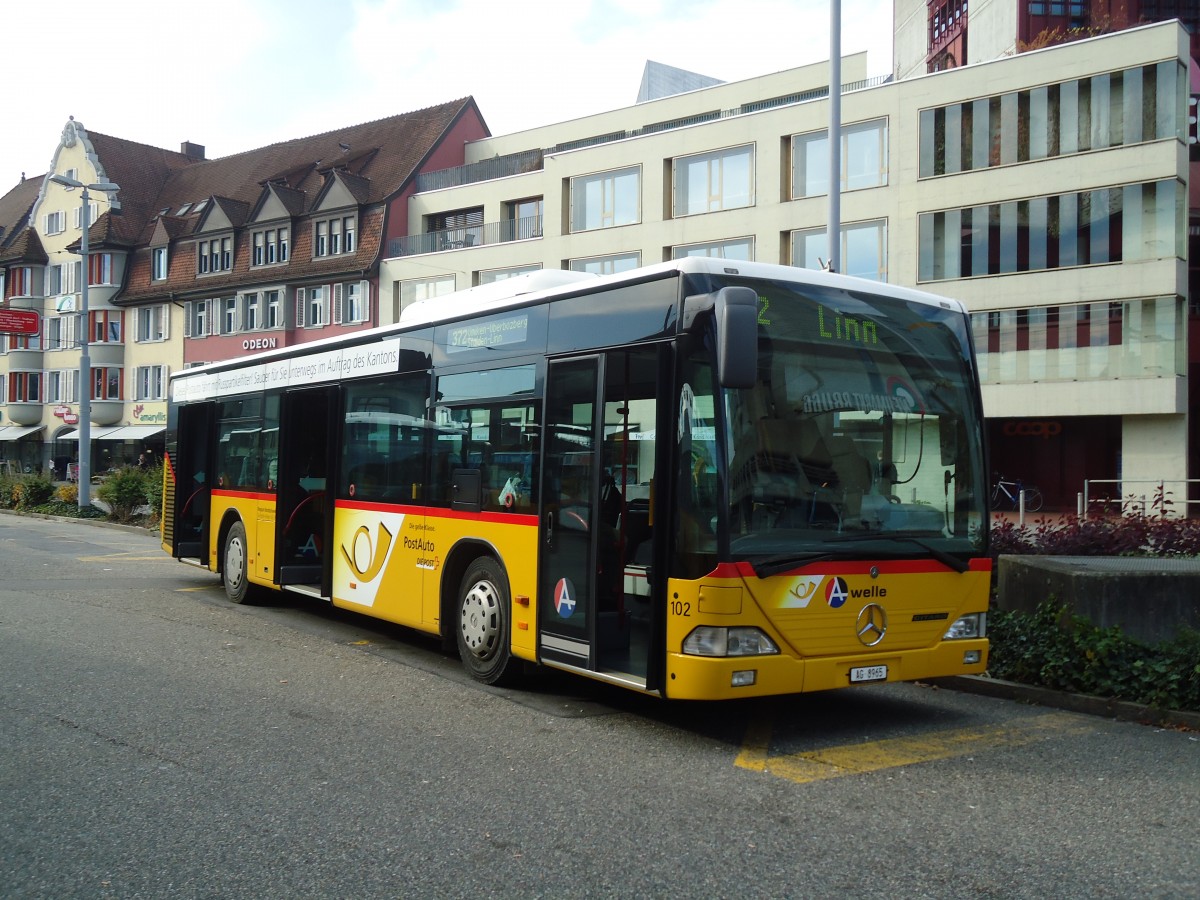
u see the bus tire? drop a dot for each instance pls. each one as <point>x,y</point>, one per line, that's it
<point>483,624</point>
<point>235,565</point>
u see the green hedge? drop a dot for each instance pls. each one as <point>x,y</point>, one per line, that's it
<point>1049,648</point>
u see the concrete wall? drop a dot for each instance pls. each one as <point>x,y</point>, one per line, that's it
<point>1150,599</point>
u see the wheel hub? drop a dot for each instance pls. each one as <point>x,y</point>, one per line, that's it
<point>480,619</point>
<point>235,556</point>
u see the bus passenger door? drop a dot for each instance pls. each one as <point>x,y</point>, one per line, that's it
<point>192,468</point>
<point>594,585</point>
<point>570,475</point>
<point>302,480</point>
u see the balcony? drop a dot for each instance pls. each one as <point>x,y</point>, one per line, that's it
<point>465,236</point>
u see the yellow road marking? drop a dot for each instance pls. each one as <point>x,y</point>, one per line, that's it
<point>204,587</point>
<point>852,759</point>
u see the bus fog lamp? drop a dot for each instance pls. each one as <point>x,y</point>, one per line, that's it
<point>744,678</point>
<point>972,626</point>
<point>972,657</point>
<point>711,640</point>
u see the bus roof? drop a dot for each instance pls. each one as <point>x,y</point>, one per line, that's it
<point>548,284</point>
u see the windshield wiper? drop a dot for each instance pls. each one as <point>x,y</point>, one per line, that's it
<point>947,559</point>
<point>773,565</point>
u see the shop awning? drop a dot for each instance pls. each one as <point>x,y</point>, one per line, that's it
<point>96,434</point>
<point>16,432</point>
<point>134,432</point>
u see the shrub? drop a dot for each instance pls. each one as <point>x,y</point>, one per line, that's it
<point>67,493</point>
<point>31,490</point>
<point>1135,533</point>
<point>125,493</point>
<point>153,478</point>
<point>1051,649</point>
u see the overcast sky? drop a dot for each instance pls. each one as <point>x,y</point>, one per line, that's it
<point>234,75</point>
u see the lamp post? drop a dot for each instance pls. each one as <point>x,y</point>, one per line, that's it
<point>85,362</point>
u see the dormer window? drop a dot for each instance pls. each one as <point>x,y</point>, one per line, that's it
<point>270,246</point>
<point>158,264</point>
<point>336,236</point>
<point>214,255</point>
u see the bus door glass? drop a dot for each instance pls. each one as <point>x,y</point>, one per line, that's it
<point>598,471</point>
<point>297,471</point>
<point>193,470</point>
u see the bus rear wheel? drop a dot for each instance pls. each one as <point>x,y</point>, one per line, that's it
<point>483,626</point>
<point>235,568</point>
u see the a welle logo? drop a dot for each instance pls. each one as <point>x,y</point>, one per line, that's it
<point>838,592</point>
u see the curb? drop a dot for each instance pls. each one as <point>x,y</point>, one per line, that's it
<point>1081,703</point>
<point>71,520</point>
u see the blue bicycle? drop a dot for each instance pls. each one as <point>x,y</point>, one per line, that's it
<point>1010,492</point>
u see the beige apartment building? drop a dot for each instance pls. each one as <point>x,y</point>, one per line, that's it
<point>1049,192</point>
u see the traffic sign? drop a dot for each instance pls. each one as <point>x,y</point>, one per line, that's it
<point>20,321</point>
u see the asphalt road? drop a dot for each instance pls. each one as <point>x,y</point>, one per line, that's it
<point>156,741</point>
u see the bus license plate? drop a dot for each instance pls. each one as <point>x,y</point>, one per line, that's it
<point>868,673</point>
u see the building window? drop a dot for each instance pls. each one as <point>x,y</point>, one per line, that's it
<point>150,383</point>
<point>1112,109</point>
<point>252,311</point>
<point>229,315</point>
<point>62,386</point>
<point>63,278</point>
<point>491,276</point>
<point>106,382</point>
<point>351,303</point>
<point>458,228</point>
<point>739,248</point>
<point>270,247</point>
<point>312,307</point>
<point>863,250</point>
<point>524,219</point>
<point>100,268</point>
<point>153,323</point>
<point>198,319</point>
<point>158,264</point>
<point>333,237</point>
<point>606,199</point>
<point>93,214</point>
<point>23,341</point>
<point>274,309</point>
<point>107,326</point>
<point>54,223</point>
<point>607,265</point>
<point>1116,224</point>
<point>864,159</point>
<point>214,255</point>
<point>423,289</point>
<point>20,281</point>
<point>24,387</point>
<point>60,332</point>
<point>708,182</point>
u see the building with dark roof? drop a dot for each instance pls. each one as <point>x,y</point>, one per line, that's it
<point>195,260</point>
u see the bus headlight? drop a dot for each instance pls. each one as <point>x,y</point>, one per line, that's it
<point>711,640</point>
<point>972,626</point>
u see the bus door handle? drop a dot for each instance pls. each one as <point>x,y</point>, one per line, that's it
<point>550,528</point>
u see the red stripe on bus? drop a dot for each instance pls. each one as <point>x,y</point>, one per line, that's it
<point>242,495</point>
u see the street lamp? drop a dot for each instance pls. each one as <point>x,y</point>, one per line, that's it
<point>85,362</point>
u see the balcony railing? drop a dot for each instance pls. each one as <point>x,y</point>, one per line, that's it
<point>467,236</point>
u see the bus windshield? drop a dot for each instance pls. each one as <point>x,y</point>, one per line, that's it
<point>861,436</point>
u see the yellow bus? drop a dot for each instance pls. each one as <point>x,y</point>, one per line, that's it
<point>701,479</point>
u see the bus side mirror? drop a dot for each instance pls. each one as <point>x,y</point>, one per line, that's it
<point>735,319</point>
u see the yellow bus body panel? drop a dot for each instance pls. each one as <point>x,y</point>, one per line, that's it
<point>388,562</point>
<point>814,620</point>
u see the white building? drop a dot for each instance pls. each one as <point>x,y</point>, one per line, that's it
<point>1047,191</point>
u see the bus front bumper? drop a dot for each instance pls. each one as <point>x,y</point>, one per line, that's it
<point>725,678</point>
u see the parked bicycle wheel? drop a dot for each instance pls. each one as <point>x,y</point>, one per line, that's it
<point>1033,499</point>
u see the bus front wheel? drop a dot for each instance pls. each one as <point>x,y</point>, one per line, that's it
<point>483,624</point>
<point>236,568</point>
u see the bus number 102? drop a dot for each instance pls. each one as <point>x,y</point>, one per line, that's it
<point>680,608</point>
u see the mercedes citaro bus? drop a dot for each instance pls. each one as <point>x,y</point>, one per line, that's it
<point>701,479</point>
